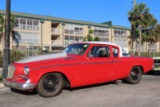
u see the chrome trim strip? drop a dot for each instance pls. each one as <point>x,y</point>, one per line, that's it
<point>42,67</point>
<point>55,66</point>
<point>98,62</point>
<point>19,86</point>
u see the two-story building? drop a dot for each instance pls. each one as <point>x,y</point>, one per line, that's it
<point>54,33</point>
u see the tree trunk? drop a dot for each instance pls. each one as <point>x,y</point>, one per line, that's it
<point>132,40</point>
<point>140,40</point>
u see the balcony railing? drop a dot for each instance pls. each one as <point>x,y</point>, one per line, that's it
<point>67,31</point>
<point>55,30</point>
<point>26,27</point>
<point>56,42</point>
<point>100,34</point>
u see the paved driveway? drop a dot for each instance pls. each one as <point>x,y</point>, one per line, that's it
<point>117,94</point>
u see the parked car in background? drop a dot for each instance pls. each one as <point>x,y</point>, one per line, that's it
<point>156,63</point>
<point>81,64</point>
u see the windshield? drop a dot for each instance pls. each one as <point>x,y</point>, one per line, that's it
<point>78,49</point>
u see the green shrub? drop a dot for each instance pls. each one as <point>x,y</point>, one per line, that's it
<point>146,54</point>
<point>15,56</point>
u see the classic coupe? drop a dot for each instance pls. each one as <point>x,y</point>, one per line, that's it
<point>81,64</point>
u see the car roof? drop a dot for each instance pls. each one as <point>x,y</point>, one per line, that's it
<point>106,43</point>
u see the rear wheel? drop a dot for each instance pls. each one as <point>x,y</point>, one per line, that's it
<point>135,76</point>
<point>50,85</point>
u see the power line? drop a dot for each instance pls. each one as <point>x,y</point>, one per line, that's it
<point>126,5</point>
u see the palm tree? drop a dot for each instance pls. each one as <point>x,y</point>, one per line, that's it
<point>14,34</point>
<point>152,36</point>
<point>134,37</point>
<point>1,26</point>
<point>140,18</point>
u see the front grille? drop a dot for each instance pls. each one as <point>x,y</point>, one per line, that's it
<point>156,61</point>
<point>11,71</point>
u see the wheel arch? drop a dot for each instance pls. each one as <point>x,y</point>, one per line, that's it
<point>66,80</point>
<point>141,67</point>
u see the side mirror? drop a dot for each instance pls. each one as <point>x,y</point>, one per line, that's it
<point>90,56</point>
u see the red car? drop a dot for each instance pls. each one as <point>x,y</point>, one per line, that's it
<point>80,64</point>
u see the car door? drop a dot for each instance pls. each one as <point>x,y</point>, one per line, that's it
<point>121,64</point>
<point>98,66</point>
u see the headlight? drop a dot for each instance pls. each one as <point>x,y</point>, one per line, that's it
<point>26,70</point>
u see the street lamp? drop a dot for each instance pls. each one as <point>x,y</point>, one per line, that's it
<point>42,21</point>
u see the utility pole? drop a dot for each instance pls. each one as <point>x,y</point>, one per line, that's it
<point>134,3</point>
<point>42,21</point>
<point>6,54</point>
<point>133,31</point>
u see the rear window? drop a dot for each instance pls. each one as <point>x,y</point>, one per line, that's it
<point>124,53</point>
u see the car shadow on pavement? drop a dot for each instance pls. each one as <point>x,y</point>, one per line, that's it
<point>32,92</point>
<point>91,86</point>
<point>154,73</point>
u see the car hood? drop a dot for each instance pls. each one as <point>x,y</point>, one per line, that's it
<point>42,57</point>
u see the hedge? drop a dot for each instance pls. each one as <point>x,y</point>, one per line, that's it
<point>14,56</point>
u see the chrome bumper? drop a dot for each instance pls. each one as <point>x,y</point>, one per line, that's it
<point>19,86</point>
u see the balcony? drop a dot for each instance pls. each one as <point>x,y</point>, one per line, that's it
<point>56,43</point>
<point>101,34</point>
<point>55,30</point>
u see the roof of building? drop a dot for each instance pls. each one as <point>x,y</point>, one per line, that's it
<point>63,20</point>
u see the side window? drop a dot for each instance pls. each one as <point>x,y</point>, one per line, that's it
<point>100,51</point>
<point>115,52</point>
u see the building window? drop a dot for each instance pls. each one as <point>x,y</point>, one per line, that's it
<point>120,33</point>
<point>66,31</point>
<point>98,31</point>
<point>73,29</point>
<point>138,47</point>
<point>152,47</point>
<point>104,39</point>
<point>28,38</point>
<point>72,39</point>
<point>27,24</point>
<point>121,42</point>
<point>120,37</point>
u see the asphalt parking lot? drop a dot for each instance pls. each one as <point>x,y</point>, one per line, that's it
<point>115,94</point>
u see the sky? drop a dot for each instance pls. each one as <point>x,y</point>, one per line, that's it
<point>97,11</point>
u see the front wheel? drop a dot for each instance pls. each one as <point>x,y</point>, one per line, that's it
<point>135,76</point>
<point>50,85</point>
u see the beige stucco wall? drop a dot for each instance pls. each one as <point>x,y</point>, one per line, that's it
<point>111,34</point>
<point>62,36</point>
<point>85,30</point>
<point>46,33</point>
